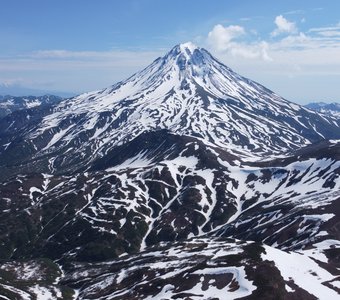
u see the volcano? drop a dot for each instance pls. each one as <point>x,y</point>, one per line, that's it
<point>184,181</point>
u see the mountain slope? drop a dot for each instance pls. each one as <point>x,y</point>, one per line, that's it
<point>149,191</point>
<point>184,181</point>
<point>205,268</point>
<point>135,199</point>
<point>187,92</point>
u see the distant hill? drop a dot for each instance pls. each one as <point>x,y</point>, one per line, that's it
<point>8,103</point>
<point>327,108</point>
<point>21,91</point>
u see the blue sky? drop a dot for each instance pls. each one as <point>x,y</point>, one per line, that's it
<point>292,47</point>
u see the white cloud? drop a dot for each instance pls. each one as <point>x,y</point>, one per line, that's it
<point>293,41</point>
<point>320,29</point>
<point>283,26</point>
<point>77,71</point>
<point>330,33</point>
<point>224,39</point>
<point>221,37</point>
<point>251,51</point>
<point>295,12</point>
<point>296,60</point>
<point>11,81</point>
<point>327,32</point>
<point>114,56</point>
<point>60,54</point>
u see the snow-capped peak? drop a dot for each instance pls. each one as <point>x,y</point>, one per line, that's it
<point>185,57</point>
<point>188,47</point>
<point>189,92</point>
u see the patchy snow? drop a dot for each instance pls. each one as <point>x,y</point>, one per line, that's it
<point>336,284</point>
<point>31,104</point>
<point>22,294</point>
<point>138,161</point>
<point>199,292</point>
<point>317,250</point>
<point>33,190</point>
<point>57,137</point>
<point>239,275</point>
<point>303,271</point>
<point>43,293</point>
